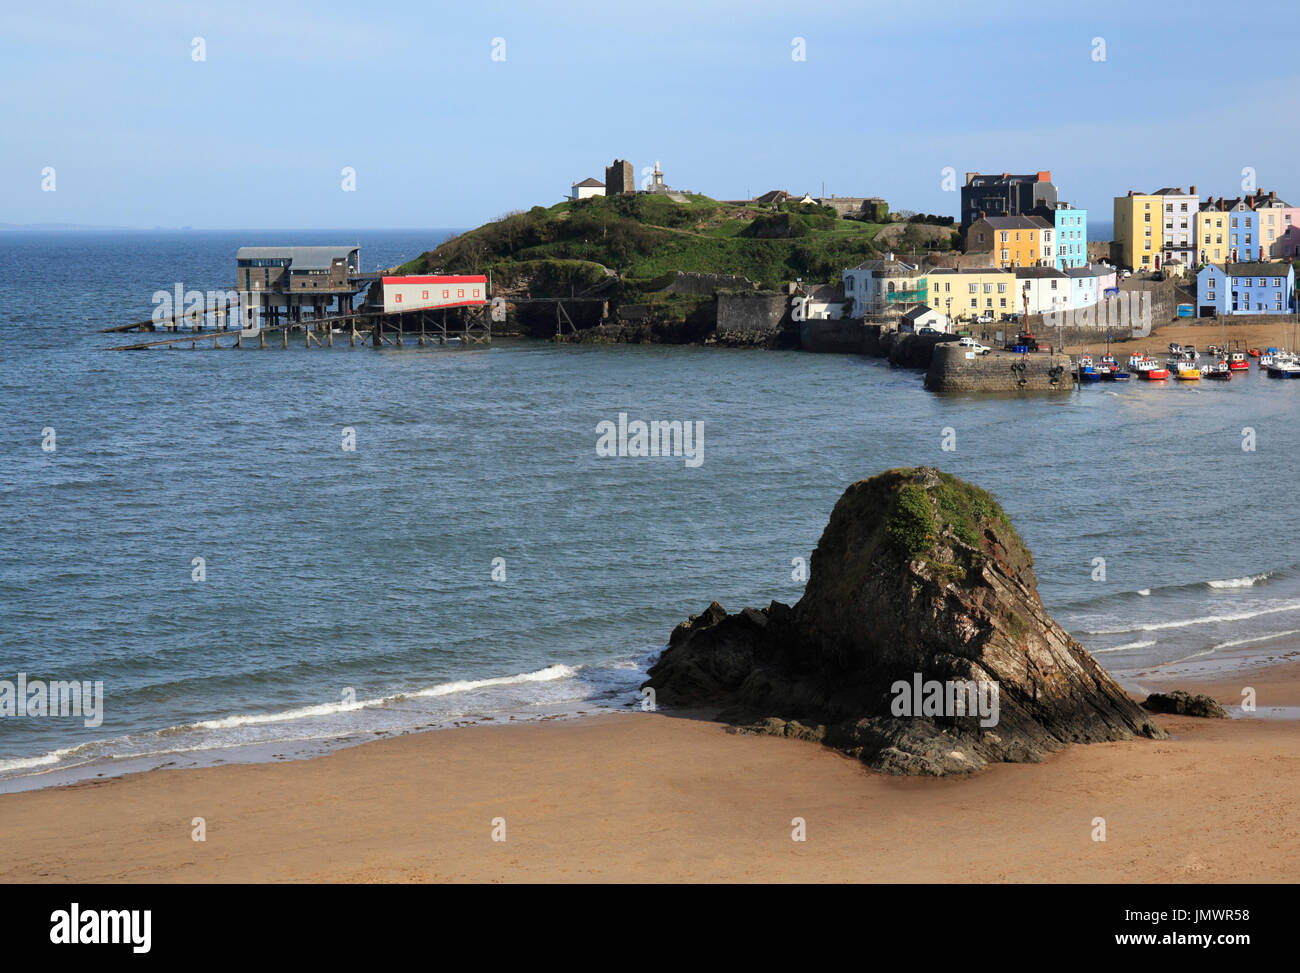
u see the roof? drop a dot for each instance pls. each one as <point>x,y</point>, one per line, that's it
<point>969,270</point>
<point>1016,222</point>
<point>1025,272</point>
<point>589,182</point>
<point>918,312</point>
<point>887,266</point>
<point>1089,271</point>
<point>772,196</point>
<point>1258,269</point>
<point>1171,191</point>
<point>300,258</point>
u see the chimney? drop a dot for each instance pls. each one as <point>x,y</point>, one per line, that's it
<point>1193,190</point>
<point>1130,192</point>
<point>1045,175</point>
<point>1272,194</point>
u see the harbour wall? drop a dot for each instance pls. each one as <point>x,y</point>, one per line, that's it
<point>952,371</point>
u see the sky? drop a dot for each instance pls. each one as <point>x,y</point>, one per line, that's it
<point>452,114</point>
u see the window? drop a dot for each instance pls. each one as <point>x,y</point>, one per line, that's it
<point>988,288</point>
<point>1004,236</point>
<point>460,292</point>
<point>446,293</point>
<point>974,302</point>
<point>424,295</point>
<point>1277,282</point>
<point>974,289</point>
<point>397,299</point>
<point>1002,302</point>
<point>1002,288</point>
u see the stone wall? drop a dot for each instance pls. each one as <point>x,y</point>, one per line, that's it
<point>752,313</point>
<point>951,371</point>
<point>844,336</point>
<point>708,284</point>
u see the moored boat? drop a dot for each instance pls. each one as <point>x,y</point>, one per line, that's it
<point>1185,371</point>
<point>1086,371</point>
<point>1284,365</point>
<point>1238,362</point>
<point>1218,369</point>
<point>1110,370</point>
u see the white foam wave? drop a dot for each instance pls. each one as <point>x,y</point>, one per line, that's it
<point>1125,647</point>
<point>328,709</point>
<point>1246,582</point>
<point>1258,638</point>
<point>1144,592</point>
<point>1201,620</point>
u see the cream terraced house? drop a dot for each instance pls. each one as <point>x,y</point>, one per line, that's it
<point>967,293</point>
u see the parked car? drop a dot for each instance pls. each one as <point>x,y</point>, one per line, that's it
<point>929,331</point>
<point>985,318</point>
<point>970,344</point>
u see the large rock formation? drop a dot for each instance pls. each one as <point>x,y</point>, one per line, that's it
<point>920,644</point>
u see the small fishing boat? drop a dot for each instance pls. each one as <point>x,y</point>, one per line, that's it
<point>1284,365</point>
<point>1185,371</point>
<point>1110,370</point>
<point>1151,370</point>
<point>1218,369</point>
<point>1238,362</point>
<point>1253,352</point>
<point>1086,371</point>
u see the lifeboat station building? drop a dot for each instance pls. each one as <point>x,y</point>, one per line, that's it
<point>280,282</point>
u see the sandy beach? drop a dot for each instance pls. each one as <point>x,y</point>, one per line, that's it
<point>643,797</point>
<point>1200,335</point>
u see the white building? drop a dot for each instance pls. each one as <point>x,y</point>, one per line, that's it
<point>1178,219</point>
<point>419,293</point>
<point>586,189</point>
<point>876,285</point>
<point>921,317</point>
<point>1041,290</point>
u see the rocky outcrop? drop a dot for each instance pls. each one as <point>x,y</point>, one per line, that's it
<point>920,644</point>
<point>1183,703</point>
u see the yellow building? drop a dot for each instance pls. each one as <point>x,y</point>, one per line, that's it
<point>1272,226</point>
<point>1212,234</point>
<point>1139,233</point>
<point>970,292</point>
<point>1014,241</point>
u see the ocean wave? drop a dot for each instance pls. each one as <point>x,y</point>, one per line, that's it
<point>548,674</point>
<point>157,743</point>
<point>1245,582</point>
<point>1146,643</point>
<point>1258,638</point>
<point>1201,620</point>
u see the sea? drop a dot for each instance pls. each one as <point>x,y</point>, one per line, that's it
<point>189,528</point>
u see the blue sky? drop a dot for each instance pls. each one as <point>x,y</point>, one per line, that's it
<point>440,134</point>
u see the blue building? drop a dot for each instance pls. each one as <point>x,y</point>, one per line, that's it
<point>1245,288</point>
<point>1243,232</point>
<point>1070,234</point>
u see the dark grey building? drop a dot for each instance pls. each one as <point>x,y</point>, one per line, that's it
<point>1004,194</point>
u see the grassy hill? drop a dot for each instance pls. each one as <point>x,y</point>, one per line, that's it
<point>645,237</point>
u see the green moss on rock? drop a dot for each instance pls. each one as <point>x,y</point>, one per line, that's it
<point>911,528</point>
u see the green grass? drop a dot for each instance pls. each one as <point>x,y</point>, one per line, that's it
<point>646,237</point>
